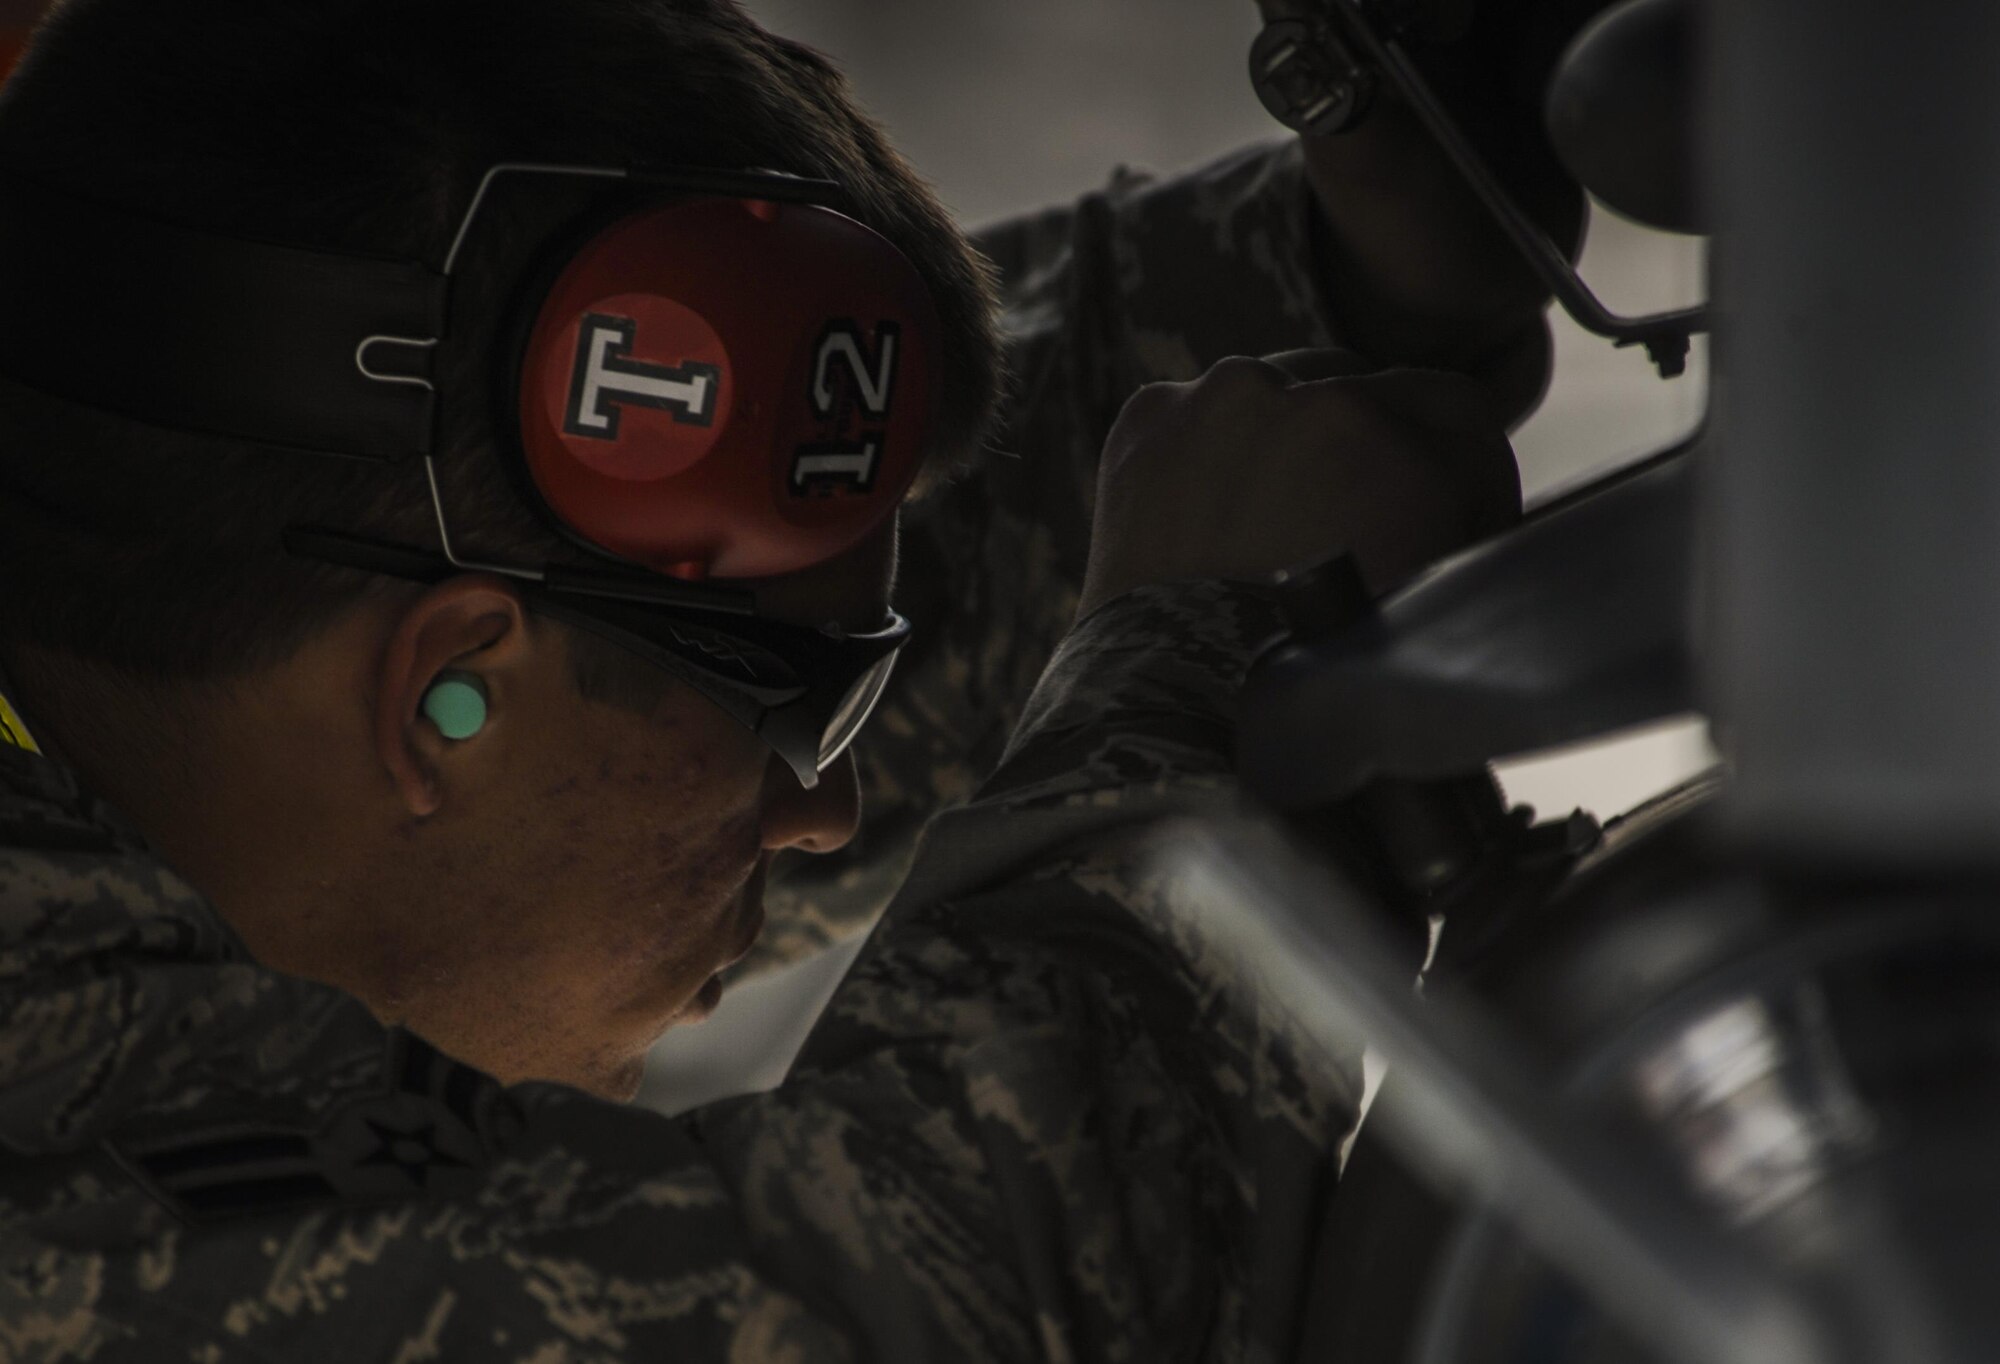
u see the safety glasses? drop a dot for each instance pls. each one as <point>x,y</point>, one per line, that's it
<point>805,692</point>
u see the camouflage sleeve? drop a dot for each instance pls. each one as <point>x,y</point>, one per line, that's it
<point>1043,1119</point>
<point>1148,279</point>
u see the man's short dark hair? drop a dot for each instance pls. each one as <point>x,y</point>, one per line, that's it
<point>364,126</point>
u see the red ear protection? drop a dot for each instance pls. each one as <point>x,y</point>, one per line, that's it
<point>729,387</point>
<point>13,46</point>
<point>736,382</point>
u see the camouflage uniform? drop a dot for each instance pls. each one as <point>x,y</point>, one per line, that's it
<point>1146,280</point>
<point>1041,1119</point>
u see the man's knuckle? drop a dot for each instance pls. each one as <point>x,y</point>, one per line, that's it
<point>1151,401</point>
<point>1240,375</point>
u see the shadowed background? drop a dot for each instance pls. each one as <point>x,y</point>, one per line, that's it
<point>1004,107</point>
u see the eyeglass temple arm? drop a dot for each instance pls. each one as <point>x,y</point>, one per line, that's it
<point>426,566</point>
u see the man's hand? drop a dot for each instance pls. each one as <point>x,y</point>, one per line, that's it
<point>1263,465</point>
<point>1416,270</point>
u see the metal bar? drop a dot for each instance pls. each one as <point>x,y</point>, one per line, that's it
<point>1466,1108</point>
<point>744,184</point>
<point>1661,333</point>
<point>493,173</point>
<point>526,574</point>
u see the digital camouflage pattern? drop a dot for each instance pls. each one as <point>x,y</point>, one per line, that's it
<point>1041,1119</point>
<point>1149,279</point>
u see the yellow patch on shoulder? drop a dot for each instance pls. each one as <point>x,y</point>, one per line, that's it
<point>13,730</point>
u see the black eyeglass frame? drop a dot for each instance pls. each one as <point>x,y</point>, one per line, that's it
<point>785,683</point>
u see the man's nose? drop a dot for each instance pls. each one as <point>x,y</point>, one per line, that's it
<point>821,820</point>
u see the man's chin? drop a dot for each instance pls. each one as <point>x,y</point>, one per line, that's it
<point>620,1083</point>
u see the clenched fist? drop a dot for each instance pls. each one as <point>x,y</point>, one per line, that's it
<point>1263,465</point>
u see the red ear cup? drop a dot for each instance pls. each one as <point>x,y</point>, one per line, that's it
<point>13,46</point>
<point>729,387</point>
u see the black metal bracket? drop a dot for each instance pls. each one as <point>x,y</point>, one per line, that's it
<point>1319,74</point>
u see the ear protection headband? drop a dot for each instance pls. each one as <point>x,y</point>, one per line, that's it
<point>727,377</point>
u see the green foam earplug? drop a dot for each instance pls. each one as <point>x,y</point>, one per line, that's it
<point>456,704</point>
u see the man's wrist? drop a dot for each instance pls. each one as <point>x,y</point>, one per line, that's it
<point>1155,669</point>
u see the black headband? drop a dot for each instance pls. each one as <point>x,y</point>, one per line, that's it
<point>203,332</point>
<point>213,334</point>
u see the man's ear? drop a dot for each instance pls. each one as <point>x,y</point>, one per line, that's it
<point>475,624</point>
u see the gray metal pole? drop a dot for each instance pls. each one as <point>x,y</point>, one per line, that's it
<point>1466,1108</point>
<point>1852,602</point>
